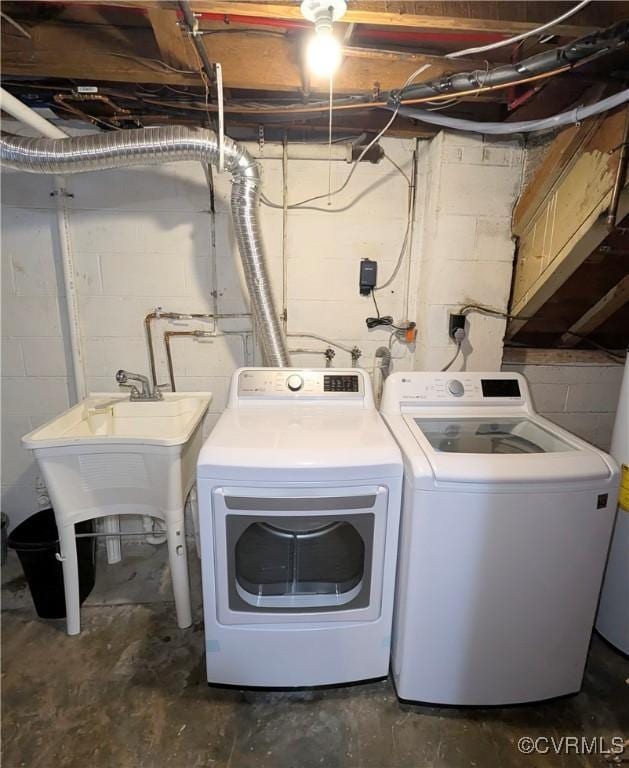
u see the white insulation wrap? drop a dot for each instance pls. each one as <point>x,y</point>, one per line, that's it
<point>154,146</point>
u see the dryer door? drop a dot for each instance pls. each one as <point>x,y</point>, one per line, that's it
<point>285,556</point>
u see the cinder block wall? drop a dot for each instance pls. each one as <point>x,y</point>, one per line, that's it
<point>581,397</point>
<point>142,238</point>
<point>465,252</point>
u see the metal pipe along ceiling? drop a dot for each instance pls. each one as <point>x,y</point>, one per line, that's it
<point>154,146</point>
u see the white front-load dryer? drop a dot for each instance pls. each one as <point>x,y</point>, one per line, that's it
<point>299,500</point>
<point>506,523</point>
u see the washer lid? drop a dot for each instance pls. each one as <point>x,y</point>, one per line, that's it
<point>504,449</point>
<point>294,442</point>
<point>490,435</point>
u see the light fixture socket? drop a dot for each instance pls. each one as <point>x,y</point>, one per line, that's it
<point>323,13</point>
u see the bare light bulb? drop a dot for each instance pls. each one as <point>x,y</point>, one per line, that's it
<point>323,53</point>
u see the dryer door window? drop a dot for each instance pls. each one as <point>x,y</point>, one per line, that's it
<point>299,555</point>
<point>301,562</point>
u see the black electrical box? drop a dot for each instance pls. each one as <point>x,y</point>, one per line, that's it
<point>368,276</point>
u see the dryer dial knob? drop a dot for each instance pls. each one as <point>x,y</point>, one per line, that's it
<point>455,387</point>
<point>294,382</point>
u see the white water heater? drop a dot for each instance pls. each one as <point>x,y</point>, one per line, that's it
<point>613,612</point>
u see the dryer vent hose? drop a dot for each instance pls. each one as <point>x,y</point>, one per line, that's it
<point>154,146</point>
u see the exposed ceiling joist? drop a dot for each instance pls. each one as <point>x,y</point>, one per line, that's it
<point>240,55</point>
<point>611,302</point>
<point>175,50</point>
<point>386,14</point>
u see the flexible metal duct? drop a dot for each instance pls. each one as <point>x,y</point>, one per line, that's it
<point>154,146</point>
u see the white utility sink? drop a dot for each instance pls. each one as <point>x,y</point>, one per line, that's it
<point>109,456</point>
<point>112,418</point>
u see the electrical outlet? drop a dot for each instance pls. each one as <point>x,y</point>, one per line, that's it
<point>455,322</point>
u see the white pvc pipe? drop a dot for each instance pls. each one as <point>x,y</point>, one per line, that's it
<point>26,115</point>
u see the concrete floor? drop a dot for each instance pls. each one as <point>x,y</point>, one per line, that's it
<point>130,692</point>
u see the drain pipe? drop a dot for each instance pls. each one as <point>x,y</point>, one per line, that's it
<point>26,115</point>
<point>166,144</point>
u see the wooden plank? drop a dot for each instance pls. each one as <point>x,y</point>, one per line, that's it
<point>611,302</point>
<point>356,14</point>
<point>560,154</point>
<point>175,50</point>
<point>532,356</point>
<point>62,51</point>
<point>568,226</point>
<point>500,18</point>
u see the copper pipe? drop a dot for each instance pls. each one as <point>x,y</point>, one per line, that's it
<point>168,335</point>
<point>157,314</point>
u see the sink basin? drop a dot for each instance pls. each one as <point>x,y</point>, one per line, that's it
<point>108,456</point>
<point>105,418</point>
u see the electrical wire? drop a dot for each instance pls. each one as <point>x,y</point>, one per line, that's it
<point>481,309</point>
<point>523,36</point>
<point>381,320</point>
<point>366,149</point>
<point>150,58</point>
<point>456,354</point>
<point>405,239</point>
<point>356,102</point>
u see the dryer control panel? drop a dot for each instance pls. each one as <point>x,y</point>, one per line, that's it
<point>293,383</point>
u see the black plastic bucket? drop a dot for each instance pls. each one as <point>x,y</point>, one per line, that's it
<point>36,542</point>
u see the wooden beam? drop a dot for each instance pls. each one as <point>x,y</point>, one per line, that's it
<point>378,14</point>
<point>175,50</point>
<point>611,302</point>
<point>249,62</point>
<point>533,356</point>
<point>560,154</point>
<point>568,224</point>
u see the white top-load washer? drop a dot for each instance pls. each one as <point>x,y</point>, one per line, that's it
<point>299,502</point>
<point>506,523</point>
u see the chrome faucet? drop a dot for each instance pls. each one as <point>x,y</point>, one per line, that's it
<point>147,393</point>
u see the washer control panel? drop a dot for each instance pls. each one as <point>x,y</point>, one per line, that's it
<point>291,383</point>
<point>460,389</point>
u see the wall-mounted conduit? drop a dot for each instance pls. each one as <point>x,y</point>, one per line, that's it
<point>167,144</point>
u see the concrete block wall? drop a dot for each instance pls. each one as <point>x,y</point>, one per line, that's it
<point>35,384</point>
<point>580,397</point>
<point>464,251</point>
<point>142,238</point>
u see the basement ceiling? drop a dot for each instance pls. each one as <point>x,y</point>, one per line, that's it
<point>133,63</point>
<point>140,57</point>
